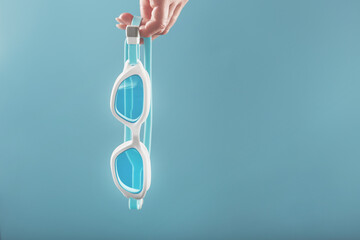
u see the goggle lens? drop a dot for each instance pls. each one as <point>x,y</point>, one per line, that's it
<point>129,100</point>
<point>129,170</point>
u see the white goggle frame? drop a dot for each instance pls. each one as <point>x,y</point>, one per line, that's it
<point>130,70</point>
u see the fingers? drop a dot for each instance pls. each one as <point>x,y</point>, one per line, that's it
<point>124,19</point>
<point>173,18</point>
<point>155,36</point>
<point>121,26</point>
<point>172,8</point>
<point>145,10</point>
<point>158,21</point>
<point>158,17</point>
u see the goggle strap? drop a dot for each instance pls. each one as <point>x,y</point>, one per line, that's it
<point>148,68</point>
<point>136,21</point>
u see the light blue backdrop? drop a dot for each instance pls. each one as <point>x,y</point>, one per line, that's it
<point>256,122</point>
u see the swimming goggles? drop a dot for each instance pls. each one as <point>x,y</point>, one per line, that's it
<point>130,103</point>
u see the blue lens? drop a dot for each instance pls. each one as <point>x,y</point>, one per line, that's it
<point>129,100</point>
<point>129,170</point>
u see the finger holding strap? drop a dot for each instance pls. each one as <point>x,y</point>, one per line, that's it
<point>173,18</point>
<point>158,21</point>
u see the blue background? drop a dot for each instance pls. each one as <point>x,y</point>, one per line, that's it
<point>256,122</point>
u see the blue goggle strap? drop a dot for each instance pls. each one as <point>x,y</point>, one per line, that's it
<point>148,67</point>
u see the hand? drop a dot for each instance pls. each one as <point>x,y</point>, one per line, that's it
<point>158,16</point>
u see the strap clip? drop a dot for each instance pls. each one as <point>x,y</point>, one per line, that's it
<point>132,34</point>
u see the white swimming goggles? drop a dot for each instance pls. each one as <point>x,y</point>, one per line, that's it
<point>130,103</point>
